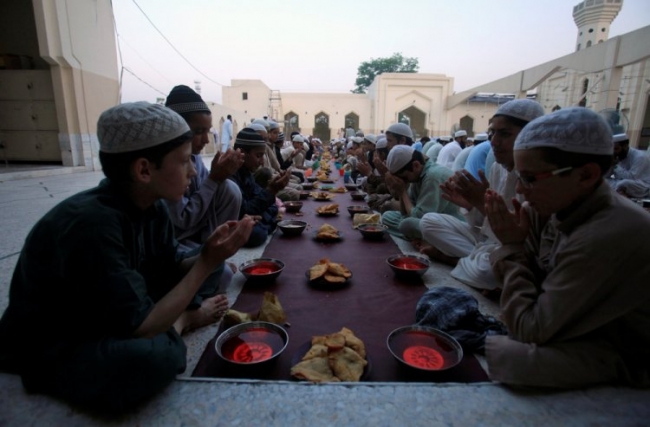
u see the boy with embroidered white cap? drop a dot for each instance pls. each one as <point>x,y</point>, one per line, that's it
<point>573,261</point>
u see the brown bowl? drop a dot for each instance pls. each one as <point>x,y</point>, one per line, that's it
<point>408,266</point>
<point>357,195</point>
<point>372,231</point>
<point>292,227</point>
<point>304,194</point>
<point>261,270</point>
<point>307,185</point>
<point>312,178</point>
<point>355,209</point>
<point>424,349</point>
<point>293,207</point>
<point>251,345</point>
<point>351,187</point>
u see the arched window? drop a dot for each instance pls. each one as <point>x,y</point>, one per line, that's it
<point>352,121</point>
<point>589,43</point>
<point>578,47</point>
<point>322,126</point>
<point>291,124</point>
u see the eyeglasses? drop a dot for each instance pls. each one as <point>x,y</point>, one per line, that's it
<point>528,180</point>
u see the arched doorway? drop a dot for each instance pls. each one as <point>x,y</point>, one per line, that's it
<point>322,126</point>
<point>291,124</point>
<point>415,118</point>
<point>467,124</point>
<point>352,122</point>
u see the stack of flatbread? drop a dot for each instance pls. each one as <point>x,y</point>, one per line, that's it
<point>332,208</point>
<point>331,272</point>
<point>340,356</point>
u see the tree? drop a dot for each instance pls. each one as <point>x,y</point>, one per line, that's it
<point>368,70</point>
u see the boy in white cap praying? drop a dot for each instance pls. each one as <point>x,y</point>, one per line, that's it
<point>573,261</point>
<point>398,134</point>
<point>449,152</point>
<point>99,280</point>
<point>630,174</point>
<point>416,182</point>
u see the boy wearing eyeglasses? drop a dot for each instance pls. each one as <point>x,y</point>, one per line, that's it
<point>577,306</point>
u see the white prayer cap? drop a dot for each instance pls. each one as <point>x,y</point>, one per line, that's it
<point>381,143</point>
<point>257,126</point>
<point>263,123</point>
<point>350,145</point>
<point>273,125</point>
<point>400,129</point>
<point>370,138</point>
<point>298,138</point>
<point>399,157</point>
<point>620,137</point>
<point>575,130</point>
<point>357,139</point>
<point>460,133</point>
<point>445,138</point>
<point>481,137</point>
<point>135,126</point>
<point>522,109</point>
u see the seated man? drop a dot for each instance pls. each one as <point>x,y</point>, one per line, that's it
<point>448,153</point>
<point>630,174</point>
<point>257,201</point>
<point>577,307</point>
<point>211,199</point>
<point>467,245</point>
<point>99,294</point>
<point>417,184</point>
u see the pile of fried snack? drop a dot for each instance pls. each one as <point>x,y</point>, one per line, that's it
<point>320,195</point>
<point>332,208</point>
<point>328,232</point>
<point>338,190</point>
<point>331,272</point>
<point>270,311</point>
<point>340,356</point>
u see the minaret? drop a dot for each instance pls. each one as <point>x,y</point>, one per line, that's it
<point>593,18</point>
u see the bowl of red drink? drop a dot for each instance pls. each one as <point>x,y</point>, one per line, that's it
<point>372,231</point>
<point>424,348</point>
<point>408,266</point>
<point>261,270</point>
<point>252,344</point>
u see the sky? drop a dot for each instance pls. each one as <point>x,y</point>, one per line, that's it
<point>317,46</point>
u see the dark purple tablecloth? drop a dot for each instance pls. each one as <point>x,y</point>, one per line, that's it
<point>373,304</point>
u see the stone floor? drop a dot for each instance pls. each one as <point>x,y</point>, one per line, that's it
<point>26,194</point>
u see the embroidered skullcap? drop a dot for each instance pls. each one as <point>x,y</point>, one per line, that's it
<point>620,137</point>
<point>357,139</point>
<point>460,133</point>
<point>399,157</point>
<point>249,136</point>
<point>263,123</point>
<point>400,129</point>
<point>273,125</point>
<point>257,126</point>
<point>576,130</point>
<point>135,126</point>
<point>370,138</point>
<point>522,109</point>
<point>298,138</point>
<point>281,136</point>
<point>445,138</point>
<point>381,143</point>
<point>481,137</point>
<point>183,99</point>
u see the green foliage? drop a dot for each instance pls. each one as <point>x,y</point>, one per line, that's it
<point>395,64</point>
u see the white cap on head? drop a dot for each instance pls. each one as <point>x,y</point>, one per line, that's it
<point>620,137</point>
<point>400,129</point>
<point>445,138</point>
<point>298,138</point>
<point>357,139</point>
<point>257,126</point>
<point>481,137</point>
<point>273,125</point>
<point>398,157</point>
<point>350,145</point>
<point>134,126</point>
<point>263,123</point>
<point>575,130</point>
<point>460,133</point>
<point>522,109</point>
<point>370,138</point>
<point>381,143</point>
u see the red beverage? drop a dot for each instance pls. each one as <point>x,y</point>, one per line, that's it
<point>408,264</point>
<point>252,346</point>
<point>423,350</point>
<point>261,268</point>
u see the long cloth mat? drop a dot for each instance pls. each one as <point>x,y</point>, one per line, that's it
<point>373,304</point>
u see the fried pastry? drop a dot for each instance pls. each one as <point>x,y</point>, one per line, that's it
<point>353,342</point>
<point>271,310</point>
<point>338,270</point>
<point>332,208</point>
<point>316,350</point>
<point>317,271</point>
<point>316,369</point>
<point>335,341</point>
<point>331,278</point>
<point>346,364</point>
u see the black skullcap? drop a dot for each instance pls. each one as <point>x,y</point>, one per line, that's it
<point>249,137</point>
<point>183,99</point>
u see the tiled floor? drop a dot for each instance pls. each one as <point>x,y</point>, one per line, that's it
<point>216,402</point>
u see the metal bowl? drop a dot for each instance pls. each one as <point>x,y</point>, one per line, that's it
<point>292,227</point>
<point>351,187</point>
<point>355,209</point>
<point>304,194</point>
<point>408,266</point>
<point>252,344</point>
<point>293,207</point>
<point>372,231</point>
<point>307,185</point>
<point>312,178</point>
<point>357,195</point>
<point>424,349</point>
<point>261,270</point>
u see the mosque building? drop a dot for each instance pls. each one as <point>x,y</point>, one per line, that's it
<point>56,78</point>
